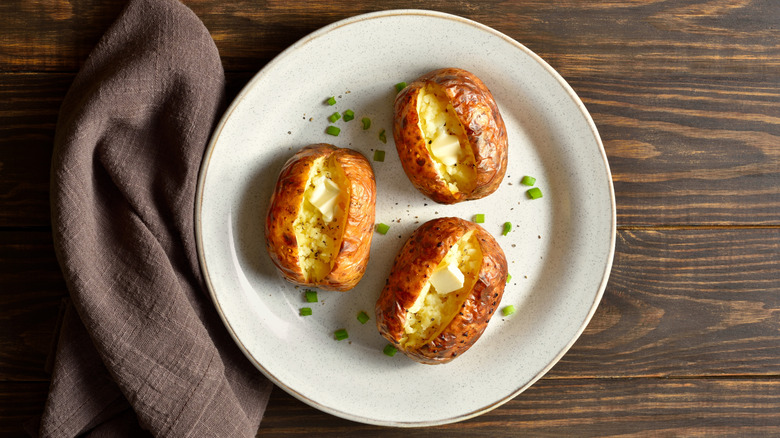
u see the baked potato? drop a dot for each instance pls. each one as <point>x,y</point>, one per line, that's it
<point>319,224</point>
<point>445,285</point>
<point>450,137</point>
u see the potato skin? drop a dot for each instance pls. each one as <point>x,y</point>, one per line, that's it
<point>477,112</point>
<point>415,263</point>
<point>286,202</point>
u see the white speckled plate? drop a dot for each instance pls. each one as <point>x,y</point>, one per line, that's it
<point>560,250</point>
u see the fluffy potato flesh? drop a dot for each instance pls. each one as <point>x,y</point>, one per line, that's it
<point>438,124</point>
<point>432,310</point>
<point>319,239</point>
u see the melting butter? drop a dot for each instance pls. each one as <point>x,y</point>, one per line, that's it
<point>447,278</point>
<point>446,148</point>
<point>324,197</point>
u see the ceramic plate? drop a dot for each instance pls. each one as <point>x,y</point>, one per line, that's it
<point>559,251</point>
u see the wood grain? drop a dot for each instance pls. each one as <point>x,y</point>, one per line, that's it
<point>687,152</point>
<point>642,328</point>
<point>685,303</point>
<point>579,407</point>
<point>30,298</point>
<point>20,403</point>
<point>681,152</point>
<point>29,104</point>
<point>707,38</point>
<point>686,96</point>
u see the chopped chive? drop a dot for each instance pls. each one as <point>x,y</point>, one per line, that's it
<point>333,117</point>
<point>349,115</point>
<point>332,130</point>
<point>305,311</point>
<point>507,228</point>
<point>508,310</point>
<point>508,277</point>
<point>382,136</point>
<point>479,218</point>
<point>366,123</point>
<point>400,86</point>
<point>382,228</point>
<point>331,100</point>
<point>311,296</point>
<point>363,317</point>
<point>340,334</point>
<point>379,155</point>
<point>528,180</point>
<point>390,350</point>
<point>534,193</point>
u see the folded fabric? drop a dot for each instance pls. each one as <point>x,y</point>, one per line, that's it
<point>144,349</point>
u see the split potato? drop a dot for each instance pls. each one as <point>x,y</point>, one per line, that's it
<point>445,285</point>
<point>450,136</point>
<point>319,224</point>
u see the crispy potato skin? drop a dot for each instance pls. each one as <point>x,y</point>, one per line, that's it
<point>477,112</point>
<point>415,263</point>
<point>286,202</point>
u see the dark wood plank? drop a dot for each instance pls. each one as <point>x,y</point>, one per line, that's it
<point>647,39</point>
<point>29,104</point>
<point>685,303</point>
<point>52,35</point>
<point>687,98</point>
<point>21,405</point>
<point>30,298</point>
<point>716,38</point>
<point>29,107</point>
<point>728,279</point>
<point>681,152</point>
<point>578,407</point>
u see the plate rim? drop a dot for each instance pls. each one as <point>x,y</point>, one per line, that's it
<point>208,153</point>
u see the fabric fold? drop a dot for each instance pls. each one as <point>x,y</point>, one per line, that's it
<point>130,138</point>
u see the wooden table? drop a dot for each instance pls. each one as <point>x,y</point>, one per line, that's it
<point>686,95</point>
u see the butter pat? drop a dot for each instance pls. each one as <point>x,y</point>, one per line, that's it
<point>324,196</point>
<point>448,278</point>
<point>446,148</point>
<point>418,303</point>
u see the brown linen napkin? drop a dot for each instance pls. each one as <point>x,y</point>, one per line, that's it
<point>144,335</point>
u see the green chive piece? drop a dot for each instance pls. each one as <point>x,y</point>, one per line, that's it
<point>528,180</point>
<point>400,86</point>
<point>333,117</point>
<point>340,334</point>
<point>479,218</point>
<point>382,136</point>
<point>534,193</point>
<point>382,228</point>
<point>366,123</point>
<point>379,155</point>
<point>305,311</point>
<point>507,228</point>
<point>390,350</point>
<point>508,310</point>
<point>349,115</point>
<point>311,296</point>
<point>331,100</point>
<point>334,131</point>
<point>363,317</point>
<point>508,277</point>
